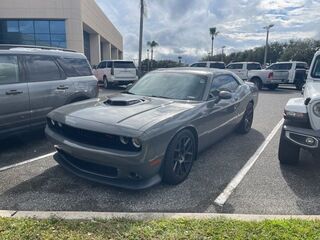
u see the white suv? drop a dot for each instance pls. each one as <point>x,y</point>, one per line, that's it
<point>116,72</point>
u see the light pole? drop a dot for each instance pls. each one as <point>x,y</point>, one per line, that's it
<point>148,55</point>
<point>267,40</point>
<point>222,52</point>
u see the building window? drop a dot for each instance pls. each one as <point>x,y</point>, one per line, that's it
<point>86,45</point>
<point>51,33</point>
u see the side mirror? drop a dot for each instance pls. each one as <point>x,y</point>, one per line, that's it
<point>129,86</point>
<point>225,95</point>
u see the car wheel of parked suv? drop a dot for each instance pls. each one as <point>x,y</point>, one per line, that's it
<point>299,84</point>
<point>288,152</point>
<point>247,120</point>
<point>105,82</point>
<point>179,158</point>
<point>257,82</point>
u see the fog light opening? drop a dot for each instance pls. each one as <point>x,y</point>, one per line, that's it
<point>135,176</point>
<point>310,141</point>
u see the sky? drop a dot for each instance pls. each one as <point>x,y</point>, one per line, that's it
<point>181,27</point>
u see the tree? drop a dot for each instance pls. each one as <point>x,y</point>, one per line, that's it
<point>152,45</point>
<point>213,33</point>
<point>142,14</point>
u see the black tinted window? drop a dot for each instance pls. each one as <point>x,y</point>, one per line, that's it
<point>217,65</point>
<point>42,68</point>
<point>254,66</point>
<point>102,65</point>
<point>302,66</point>
<point>199,65</point>
<point>75,67</point>
<point>9,71</point>
<point>124,65</point>
<point>222,83</point>
<point>109,64</point>
<point>316,68</point>
<point>235,66</point>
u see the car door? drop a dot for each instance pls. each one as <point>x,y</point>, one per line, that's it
<point>237,68</point>
<point>48,86</point>
<point>14,96</point>
<point>221,114</point>
<point>100,72</point>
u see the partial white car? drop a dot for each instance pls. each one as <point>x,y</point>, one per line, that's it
<point>116,72</point>
<point>302,120</point>
<point>242,68</point>
<point>209,64</point>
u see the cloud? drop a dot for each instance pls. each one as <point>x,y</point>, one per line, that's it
<point>181,27</point>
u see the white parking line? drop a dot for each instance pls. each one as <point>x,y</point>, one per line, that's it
<point>26,162</point>
<point>223,197</point>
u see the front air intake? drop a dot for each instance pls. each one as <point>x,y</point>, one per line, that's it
<point>123,101</point>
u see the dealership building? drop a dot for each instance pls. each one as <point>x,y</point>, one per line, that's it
<point>79,25</point>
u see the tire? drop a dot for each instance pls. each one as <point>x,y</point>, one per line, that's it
<point>299,84</point>
<point>272,86</point>
<point>105,82</point>
<point>289,153</point>
<point>257,81</point>
<point>179,158</point>
<point>247,120</point>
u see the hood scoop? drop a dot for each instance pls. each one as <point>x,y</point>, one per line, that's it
<point>123,101</point>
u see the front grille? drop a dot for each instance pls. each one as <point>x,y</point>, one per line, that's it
<point>90,167</point>
<point>88,137</point>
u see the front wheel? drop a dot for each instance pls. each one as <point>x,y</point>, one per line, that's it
<point>288,152</point>
<point>181,153</point>
<point>105,82</point>
<point>247,120</point>
<point>257,82</point>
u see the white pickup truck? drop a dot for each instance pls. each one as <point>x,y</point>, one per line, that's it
<point>242,68</point>
<point>280,73</point>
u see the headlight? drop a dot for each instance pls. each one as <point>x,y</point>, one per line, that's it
<point>136,142</point>
<point>124,140</point>
<point>296,115</point>
<point>316,109</point>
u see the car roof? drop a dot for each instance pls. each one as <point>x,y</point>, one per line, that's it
<point>39,51</point>
<point>200,71</point>
<point>243,62</point>
<point>289,62</point>
<point>120,60</point>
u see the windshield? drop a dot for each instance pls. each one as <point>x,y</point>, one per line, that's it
<point>316,68</point>
<point>182,86</point>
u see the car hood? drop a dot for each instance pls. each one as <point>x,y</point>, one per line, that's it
<point>123,110</point>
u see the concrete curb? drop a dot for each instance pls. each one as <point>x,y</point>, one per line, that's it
<point>146,216</point>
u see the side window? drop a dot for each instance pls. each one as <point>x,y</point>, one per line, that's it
<point>9,70</point>
<point>223,83</point>
<point>109,64</point>
<point>102,65</point>
<point>301,66</point>
<point>42,68</point>
<point>315,73</point>
<point>253,66</point>
<point>285,66</point>
<point>199,65</point>
<point>75,67</point>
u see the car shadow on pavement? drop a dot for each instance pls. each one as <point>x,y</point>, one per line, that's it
<point>57,189</point>
<point>280,91</point>
<point>303,179</point>
<point>23,147</point>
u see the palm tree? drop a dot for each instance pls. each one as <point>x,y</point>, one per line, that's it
<point>213,33</point>
<point>142,14</point>
<point>152,45</point>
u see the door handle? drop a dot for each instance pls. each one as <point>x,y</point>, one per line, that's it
<point>13,92</point>
<point>62,87</point>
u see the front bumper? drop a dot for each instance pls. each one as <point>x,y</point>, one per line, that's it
<point>306,138</point>
<point>130,170</point>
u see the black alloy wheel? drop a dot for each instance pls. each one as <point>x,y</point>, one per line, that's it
<point>247,120</point>
<point>180,155</point>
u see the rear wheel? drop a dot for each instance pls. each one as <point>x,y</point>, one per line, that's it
<point>105,82</point>
<point>247,120</point>
<point>257,82</point>
<point>299,84</point>
<point>288,152</point>
<point>273,86</point>
<point>181,153</point>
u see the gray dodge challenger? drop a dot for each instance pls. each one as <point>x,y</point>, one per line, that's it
<point>154,130</point>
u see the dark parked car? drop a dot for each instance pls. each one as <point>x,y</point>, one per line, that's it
<point>154,130</point>
<point>33,82</point>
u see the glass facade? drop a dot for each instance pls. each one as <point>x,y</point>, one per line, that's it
<point>86,44</point>
<point>51,33</point>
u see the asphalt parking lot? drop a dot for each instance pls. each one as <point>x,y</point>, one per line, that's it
<point>267,188</point>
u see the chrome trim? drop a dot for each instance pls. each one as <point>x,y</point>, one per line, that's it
<point>307,136</point>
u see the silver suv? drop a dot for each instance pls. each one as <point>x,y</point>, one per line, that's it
<point>34,81</point>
